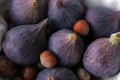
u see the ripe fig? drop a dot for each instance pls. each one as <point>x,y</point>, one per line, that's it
<point>3,29</point>
<point>28,11</point>
<point>23,44</point>
<point>58,73</point>
<point>67,46</point>
<point>64,13</point>
<point>102,57</point>
<point>103,21</point>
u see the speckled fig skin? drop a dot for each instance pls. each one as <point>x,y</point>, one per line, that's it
<point>28,11</point>
<point>67,46</point>
<point>58,73</point>
<point>102,59</point>
<point>64,13</point>
<point>103,21</point>
<point>23,44</point>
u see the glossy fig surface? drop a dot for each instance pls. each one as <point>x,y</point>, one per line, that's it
<point>103,21</point>
<point>56,74</point>
<point>23,44</point>
<point>67,46</point>
<point>102,59</point>
<point>64,13</point>
<point>27,11</point>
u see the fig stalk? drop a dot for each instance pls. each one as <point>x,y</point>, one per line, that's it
<point>51,78</point>
<point>114,38</point>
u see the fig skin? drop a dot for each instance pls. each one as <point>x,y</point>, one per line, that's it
<point>28,11</point>
<point>58,73</point>
<point>103,21</point>
<point>102,59</point>
<point>67,46</point>
<point>64,13</point>
<point>23,44</point>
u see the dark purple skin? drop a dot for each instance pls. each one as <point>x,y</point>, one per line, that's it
<point>68,51</point>
<point>22,12</point>
<point>58,73</point>
<point>102,59</point>
<point>23,44</point>
<point>103,21</point>
<point>64,13</point>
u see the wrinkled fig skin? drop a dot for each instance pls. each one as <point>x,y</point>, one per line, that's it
<point>56,74</point>
<point>102,59</point>
<point>23,44</point>
<point>103,21</point>
<point>26,12</point>
<point>64,13</point>
<point>67,50</point>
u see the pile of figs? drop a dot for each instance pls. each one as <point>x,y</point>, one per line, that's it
<point>59,40</point>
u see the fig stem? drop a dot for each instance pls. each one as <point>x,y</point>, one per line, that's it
<point>51,78</point>
<point>73,36</point>
<point>34,3</point>
<point>114,38</point>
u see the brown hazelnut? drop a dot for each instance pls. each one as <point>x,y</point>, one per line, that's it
<point>81,27</point>
<point>83,74</point>
<point>29,73</point>
<point>48,59</point>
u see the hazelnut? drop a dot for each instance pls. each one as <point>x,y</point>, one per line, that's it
<point>48,59</point>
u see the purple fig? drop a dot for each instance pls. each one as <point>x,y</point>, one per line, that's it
<point>23,44</point>
<point>64,13</point>
<point>58,73</point>
<point>67,46</point>
<point>103,21</point>
<point>102,57</point>
<point>28,11</point>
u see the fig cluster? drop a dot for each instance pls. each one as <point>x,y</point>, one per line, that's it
<point>59,40</point>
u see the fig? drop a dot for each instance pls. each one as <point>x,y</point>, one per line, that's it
<point>67,46</point>
<point>103,21</point>
<point>27,11</point>
<point>81,27</point>
<point>3,29</point>
<point>102,57</point>
<point>23,44</point>
<point>58,73</point>
<point>48,59</point>
<point>64,13</point>
<point>111,4</point>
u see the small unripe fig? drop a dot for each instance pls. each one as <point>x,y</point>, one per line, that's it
<point>81,27</point>
<point>48,59</point>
